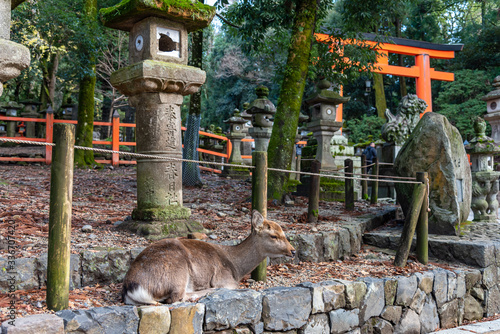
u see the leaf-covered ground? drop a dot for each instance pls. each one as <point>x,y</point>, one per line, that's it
<point>103,198</point>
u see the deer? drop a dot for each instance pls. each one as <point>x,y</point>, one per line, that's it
<point>174,270</point>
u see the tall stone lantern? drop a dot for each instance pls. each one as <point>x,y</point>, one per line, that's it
<point>13,57</point>
<point>30,111</point>
<point>156,81</point>
<point>236,134</point>
<point>484,179</point>
<point>262,111</point>
<point>493,110</point>
<point>323,106</point>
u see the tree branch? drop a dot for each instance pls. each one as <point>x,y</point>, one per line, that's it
<point>227,22</point>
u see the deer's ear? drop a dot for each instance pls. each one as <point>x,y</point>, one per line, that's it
<point>257,220</point>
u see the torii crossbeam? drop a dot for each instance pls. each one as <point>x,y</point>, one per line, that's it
<point>421,71</point>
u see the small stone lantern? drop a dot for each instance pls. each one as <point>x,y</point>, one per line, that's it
<point>12,108</point>
<point>30,111</point>
<point>484,179</point>
<point>236,124</point>
<point>69,111</point>
<point>493,110</point>
<point>156,82</point>
<point>323,106</point>
<point>262,111</point>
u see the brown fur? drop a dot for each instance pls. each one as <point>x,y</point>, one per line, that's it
<point>164,268</point>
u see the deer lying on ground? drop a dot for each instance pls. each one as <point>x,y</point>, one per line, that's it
<point>174,270</point>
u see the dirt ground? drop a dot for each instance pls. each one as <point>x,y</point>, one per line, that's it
<point>104,198</point>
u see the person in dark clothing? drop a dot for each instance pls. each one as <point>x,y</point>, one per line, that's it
<point>370,152</point>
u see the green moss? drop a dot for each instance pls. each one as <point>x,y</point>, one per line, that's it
<point>195,15</point>
<point>291,185</point>
<point>161,214</point>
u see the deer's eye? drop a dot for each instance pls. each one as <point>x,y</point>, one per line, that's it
<point>274,237</point>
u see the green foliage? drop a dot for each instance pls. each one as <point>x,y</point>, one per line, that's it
<point>361,129</point>
<point>460,100</point>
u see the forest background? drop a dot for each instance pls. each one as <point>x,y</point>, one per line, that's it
<point>248,44</point>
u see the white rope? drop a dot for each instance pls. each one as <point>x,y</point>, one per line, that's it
<point>139,155</point>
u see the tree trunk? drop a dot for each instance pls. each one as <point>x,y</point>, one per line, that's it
<point>190,170</point>
<point>287,115</point>
<point>85,127</point>
<point>380,102</point>
<point>50,66</point>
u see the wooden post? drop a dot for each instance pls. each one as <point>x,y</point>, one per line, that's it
<point>364,183</point>
<point>115,139</point>
<point>423,222</point>
<point>49,130</point>
<point>374,196</point>
<point>61,196</point>
<point>410,225</point>
<point>349,185</point>
<point>259,201</point>
<point>313,210</point>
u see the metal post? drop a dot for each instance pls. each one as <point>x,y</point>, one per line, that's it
<point>349,185</point>
<point>364,183</point>
<point>374,197</point>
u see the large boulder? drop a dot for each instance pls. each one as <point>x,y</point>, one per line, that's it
<point>435,146</point>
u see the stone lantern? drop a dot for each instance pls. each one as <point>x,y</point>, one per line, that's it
<point>69,111</point>
<point>493,110</point>
<point>30,111</point>
<point>323,106</point>
<point>484,179</point>
<point>246,146</point>
<point>156,81</point>
<point>12,108</point>
<point>236,134</point>
<point>262,111</point>
<point>13,57</point>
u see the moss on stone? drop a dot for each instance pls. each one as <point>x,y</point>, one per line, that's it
<point>161,214</point>
<point>123,16</point>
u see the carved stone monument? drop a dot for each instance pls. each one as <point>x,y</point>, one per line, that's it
<point>155,83</point>
<point>323,106</point>
<point>262,111</point>
<point>484,179</point>
<point>493,110</point>
<point>13,57</point>
<point>236,134</point>
<point>435,146</point>
<point>399,127</point>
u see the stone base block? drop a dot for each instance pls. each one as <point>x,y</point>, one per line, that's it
<point>161,214</point>
<point>163,229</point>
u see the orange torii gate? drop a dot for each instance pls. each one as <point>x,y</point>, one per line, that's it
<point>421,71</point>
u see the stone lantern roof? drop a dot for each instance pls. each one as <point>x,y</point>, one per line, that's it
<point>495,94</point>
<point>245,114</point>
<point>262,105</point>
<point>481,144</point>
<point>123,16</point>
<point>236,118</point>
<point>11,105</point>
<point>324,95</point>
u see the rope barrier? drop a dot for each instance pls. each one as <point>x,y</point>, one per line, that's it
<point>370,175</point>
<point>139,155</point>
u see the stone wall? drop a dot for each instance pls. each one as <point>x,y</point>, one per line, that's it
<point>420,303</point>
<point>105,267</point>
